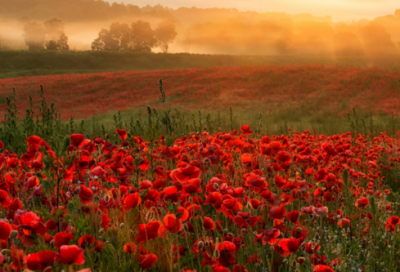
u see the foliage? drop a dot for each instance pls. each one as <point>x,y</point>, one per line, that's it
<point>50,35</point>
<point>120,37</point>
<point>165,33</point>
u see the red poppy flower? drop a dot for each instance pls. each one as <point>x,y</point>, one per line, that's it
<point>40,260</point>
<point>322,268</point>
<point>172,224</point>
<point>31,182</point>
<point>239,268</point>
<point>122,134</point>
<point>131,201</point>
<point>1,145</point>
<point>130,248</point>
<point>70,255</point>
<point>245,129</point>
<point>29,221</point>
<point>289,245</point>
<point>99,246</point>
<point>77,139</point>
<point>148,231</point>
<point>392,222</point>
<point>85,194</point>
<point>208,223</point>
<point>362,202</point>
<point>271,236</point>
<point>86,240</point>
<point>280,182</point>
<point>63,238</point>
<point>105,221</point>
<point>226,250</point>
<point>277,212</point>
<point>312,247</point>
<point>185,173</point>
<point>292,216</point>
<point>344,222</point>
<point>283,156</point>
<point>147,261</point>
<point>256,181</point>
<point>192,186</point>
<point>4,198</point>
<point>5,230</point>
<point>50,224</point>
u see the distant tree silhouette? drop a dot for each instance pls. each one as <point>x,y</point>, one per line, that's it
<point>378,45</point>
<point>50,35</point>
<point>120,37</point>
<point>165,34</point>
<point>143,37</point>
<point>55,36</point>
<point>35,36</point>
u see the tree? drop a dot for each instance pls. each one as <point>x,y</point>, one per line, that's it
<point>54,28</point>
<point>120,37</point>
<point>35,36</point>
<point>143,37</point>
<point>165,34</point>
<point>378,45</point>
<point>63,43</point>
<point>55,36</point>
<point>99,44</point>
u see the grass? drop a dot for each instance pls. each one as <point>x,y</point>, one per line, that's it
<point>35,63</point>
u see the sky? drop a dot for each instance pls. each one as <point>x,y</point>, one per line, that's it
<point>339,10</point>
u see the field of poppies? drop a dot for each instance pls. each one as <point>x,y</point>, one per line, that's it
<point>165,193</point>
<point>269,89</point>
<point>230,201</point>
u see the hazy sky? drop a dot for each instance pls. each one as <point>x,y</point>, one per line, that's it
<point>338,9</point>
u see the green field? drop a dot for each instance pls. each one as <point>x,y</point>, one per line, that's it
<point>35,63</point>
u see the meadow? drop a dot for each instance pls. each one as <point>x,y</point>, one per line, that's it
<point>17,63</point>
<point>258,168</point>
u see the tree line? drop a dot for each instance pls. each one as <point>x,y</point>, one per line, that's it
<point>138,37</point>
<point>78,10</point>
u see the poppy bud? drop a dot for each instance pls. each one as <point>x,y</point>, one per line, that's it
<point>101,231</point>
<point>217,254</point>
<point>107,198</point>
<point>244,231</point>
<point>122,225</point>
<point>52,242</point>
<point>200,245</point>
<point>48,269</point>
<point>216,186</point>
<point>14,234</point>
<point>5,251</point>
<point>226,231</point>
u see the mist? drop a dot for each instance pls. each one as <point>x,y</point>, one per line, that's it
<point>221,31</point>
